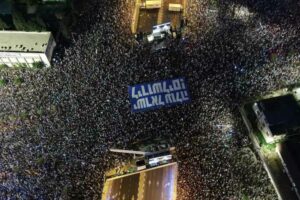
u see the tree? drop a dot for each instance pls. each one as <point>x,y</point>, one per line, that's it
<point>18,80</point>
<point>32,25</point>
<point>3,66</point>
<point>28,2</point>
<point>38,65</point>
<point>19,21</point>
<point>3,25</point>
<point>32,2</point>
<point>3,82</point>
<point>20,65</point>
<point>26,25</point>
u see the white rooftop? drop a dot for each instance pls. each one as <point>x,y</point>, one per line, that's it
<point>20,41</point>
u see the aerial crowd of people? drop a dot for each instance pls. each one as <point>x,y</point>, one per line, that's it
<point>57,126</point>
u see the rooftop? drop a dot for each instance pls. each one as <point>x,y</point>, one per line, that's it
<point>20,41</point>
<point>282,113</point>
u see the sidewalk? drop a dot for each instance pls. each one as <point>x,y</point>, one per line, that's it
<point>271,163</point>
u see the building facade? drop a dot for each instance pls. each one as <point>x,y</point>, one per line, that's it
<point>26,48</point>
<point>277,117</point>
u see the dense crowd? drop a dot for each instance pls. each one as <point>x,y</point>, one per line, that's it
<point>57,126</point>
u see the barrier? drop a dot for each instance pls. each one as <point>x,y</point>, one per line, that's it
<point>175,7</point>
<point>151,4</point>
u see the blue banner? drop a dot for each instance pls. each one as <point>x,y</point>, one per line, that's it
<point>157,94</point>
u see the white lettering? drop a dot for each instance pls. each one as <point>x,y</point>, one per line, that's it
<point>140,104</point>
<point>157,88</point>
<point>174,91</point>
<point>182,83</point>
<point>140,94</point>
<point>184,95</point>
<point>165,89</point>
<point>147,103</point>
<point>176,84</point>
<point>171,89</point>
<point>133,95</point>
<point>150,89</point>
<point>154,100</point>
<point>157,101</point>
<point>170,98</point>
<point>144,92</point>
<point>178,99</point>
<point>160,101</point>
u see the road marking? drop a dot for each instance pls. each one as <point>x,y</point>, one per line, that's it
<point>146,170</point>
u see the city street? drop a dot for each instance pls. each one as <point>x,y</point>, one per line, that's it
<point>155,183</point>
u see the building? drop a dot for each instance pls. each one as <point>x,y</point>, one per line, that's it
<point>269,120</point>
<point>26,48</point>
<point>289,153</point>
<point>158,183</point>
<point>277,117</point>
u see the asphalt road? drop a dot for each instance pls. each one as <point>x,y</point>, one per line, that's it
<point>156,183</point>
<point>125,188</point>
<point>159,184</point>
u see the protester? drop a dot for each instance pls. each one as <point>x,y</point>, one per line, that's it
<point>57,126</point>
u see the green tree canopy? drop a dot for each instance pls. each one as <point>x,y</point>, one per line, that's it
<point>22,24</point>
<point>19,21</point>
<point>3,24</point>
